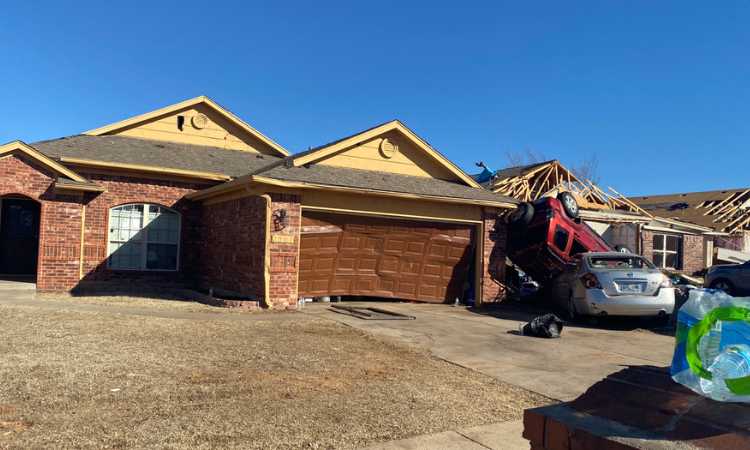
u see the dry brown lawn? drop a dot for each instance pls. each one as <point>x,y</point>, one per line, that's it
<point>108,379</point>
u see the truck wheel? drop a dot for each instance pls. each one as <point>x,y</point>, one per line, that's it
<point>522,215</point>
<point>569,204</point>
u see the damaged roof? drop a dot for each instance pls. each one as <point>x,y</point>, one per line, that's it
<point>688,207</point>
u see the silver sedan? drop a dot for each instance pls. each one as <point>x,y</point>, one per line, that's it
<point>613,284</point>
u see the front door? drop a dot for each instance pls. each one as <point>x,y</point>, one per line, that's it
<point>19,236</point>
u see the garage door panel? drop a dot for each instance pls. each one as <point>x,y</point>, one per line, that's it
<point>350,242</point>
<point>366,284</point>
<point>388,264</point>
<point>383,257</point>
<point>346,264</point>
<point>341,285</point>
<point>324,263</point>
<point>330,242</point>
<point>320,285</point>
<point>373,244</point>
<point>367,264</point>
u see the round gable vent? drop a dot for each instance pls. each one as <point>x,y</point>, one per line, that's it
<point>388,148</point>
<point>199,121</point>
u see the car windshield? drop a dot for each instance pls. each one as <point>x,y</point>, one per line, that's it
<point>619,262</point>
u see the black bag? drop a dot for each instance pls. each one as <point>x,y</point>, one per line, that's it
<point>546,326</point>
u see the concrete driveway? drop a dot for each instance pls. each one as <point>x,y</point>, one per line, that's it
<point>561,369</point>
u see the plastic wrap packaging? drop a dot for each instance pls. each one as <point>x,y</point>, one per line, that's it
<point>712,352</point>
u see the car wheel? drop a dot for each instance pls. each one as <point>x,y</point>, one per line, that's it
<point>723,285</point>
<point>569,204</point>
<point>522,215</point>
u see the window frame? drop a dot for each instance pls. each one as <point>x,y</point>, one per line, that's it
<point>145,242</point>
<point>663,251</point>
<point>561,229</point>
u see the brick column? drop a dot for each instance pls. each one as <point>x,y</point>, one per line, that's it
<point>493,261</point>
<point>284,249</point>
<point>60,243</point>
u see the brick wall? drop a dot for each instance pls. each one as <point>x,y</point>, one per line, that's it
<point>284,249</point>
<point>693,254</point>
<point>692,250</point>
<point>122,190</point>
<point>233,247</point>
<point>60,221</point>
<point>493,263</point>
<point>233,250</point>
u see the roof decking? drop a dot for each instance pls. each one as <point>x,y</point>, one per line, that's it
<point>711,209</point>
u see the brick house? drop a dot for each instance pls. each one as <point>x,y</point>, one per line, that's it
<point>725,213</point>
<point>192,195</point>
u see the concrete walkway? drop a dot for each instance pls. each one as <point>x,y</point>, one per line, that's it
<point>500,436</point>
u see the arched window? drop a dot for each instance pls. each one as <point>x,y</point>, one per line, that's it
<point>143,237</point>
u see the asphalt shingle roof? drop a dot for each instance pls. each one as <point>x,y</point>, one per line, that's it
<point>127,150</point>
<point>380,181</point>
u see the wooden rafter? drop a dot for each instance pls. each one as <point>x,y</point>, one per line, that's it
<point>730,212</point>
<point>552,177</point>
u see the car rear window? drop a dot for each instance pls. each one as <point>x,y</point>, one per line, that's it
<point>619,262</point>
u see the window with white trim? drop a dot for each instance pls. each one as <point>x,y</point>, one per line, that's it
<point>667,251</point>
<point>143,237</point>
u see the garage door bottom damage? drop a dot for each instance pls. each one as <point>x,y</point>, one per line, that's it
<point>347,255</point>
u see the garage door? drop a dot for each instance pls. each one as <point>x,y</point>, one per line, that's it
<point>353,255</point>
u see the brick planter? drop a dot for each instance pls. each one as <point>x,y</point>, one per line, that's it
<point>638,408</point>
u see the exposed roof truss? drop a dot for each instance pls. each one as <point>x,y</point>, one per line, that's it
<point>732,214</point>
<point>544,179</point>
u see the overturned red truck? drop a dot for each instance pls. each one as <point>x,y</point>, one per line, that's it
<point>547,233</point>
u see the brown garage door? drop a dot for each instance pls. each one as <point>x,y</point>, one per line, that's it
<point>353,255</point>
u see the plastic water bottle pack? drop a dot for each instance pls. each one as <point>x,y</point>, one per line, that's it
<point>712,355</point>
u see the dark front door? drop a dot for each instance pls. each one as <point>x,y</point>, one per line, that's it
<point>19,236</point>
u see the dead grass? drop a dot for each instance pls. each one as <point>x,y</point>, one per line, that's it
<point>177,302</point>
<point>74,379</point>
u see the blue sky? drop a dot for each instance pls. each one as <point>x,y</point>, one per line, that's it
<point>658,91</point>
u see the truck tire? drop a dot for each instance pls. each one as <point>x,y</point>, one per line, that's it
<point>522,215</point>
<point>569,204</point>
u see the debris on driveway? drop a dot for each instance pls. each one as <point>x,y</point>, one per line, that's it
<point>370,313</point>
<point>546,326</point>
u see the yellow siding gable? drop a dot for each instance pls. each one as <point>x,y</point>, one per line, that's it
<point>197,121</point>
<point>396,155</point>
<point>212,129</point>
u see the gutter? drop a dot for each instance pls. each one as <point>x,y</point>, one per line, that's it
<point>239,183</point>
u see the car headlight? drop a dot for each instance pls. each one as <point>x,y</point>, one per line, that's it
<point>666,282</point>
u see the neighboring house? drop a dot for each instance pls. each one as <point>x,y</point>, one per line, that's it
<point>726,213</point>
<point>668,242</point>
<point>191,194</point>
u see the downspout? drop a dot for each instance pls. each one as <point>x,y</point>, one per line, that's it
<point>83,234</point>
<point>267,254</point>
